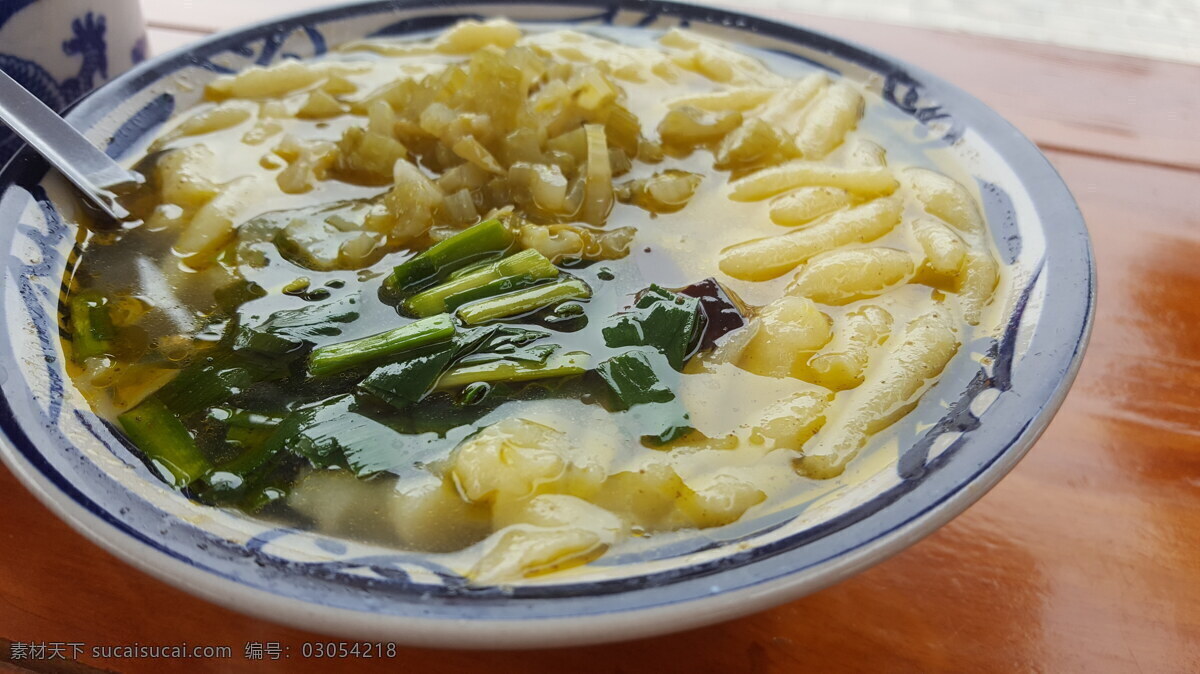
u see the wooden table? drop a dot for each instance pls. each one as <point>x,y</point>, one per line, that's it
<point>1086,558</point>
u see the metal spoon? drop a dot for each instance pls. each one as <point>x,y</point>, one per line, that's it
<point>100,178</point>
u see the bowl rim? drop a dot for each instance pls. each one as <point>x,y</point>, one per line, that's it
<point>1047,191</point>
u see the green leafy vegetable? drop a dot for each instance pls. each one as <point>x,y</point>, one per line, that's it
<point>239,418</point>
<point>409,380</point>
<point>235,294</point>
<point>288,331</point>
<point>164,439</point>
<point>245,437</point>
<point>633,378</point>
<point>485,354</point>
<point>661,319</point>
<point>214,379</point>
<point>487,240</point>
<point>248,474</point>
<point>335,432</point>
<point>261,477</point>
<point>499,342</point>
<point>257,453</point>
<point>405,382</point>
<point>334,358</point>
<point>317,431</point>
<point>246,431</point>
<point>535,353</point>
<point>633,381</point>
<point>493,337</point>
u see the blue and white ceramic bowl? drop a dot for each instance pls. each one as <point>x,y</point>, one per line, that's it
<point>62,49</point>
<point>966,434</point>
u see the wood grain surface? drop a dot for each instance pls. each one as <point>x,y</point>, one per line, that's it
<point>1086,558</point>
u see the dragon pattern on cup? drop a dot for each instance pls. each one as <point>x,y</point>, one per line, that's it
<point>89,43</point>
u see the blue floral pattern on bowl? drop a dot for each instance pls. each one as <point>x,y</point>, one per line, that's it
<point>979,422</point>
<point>88,44</point>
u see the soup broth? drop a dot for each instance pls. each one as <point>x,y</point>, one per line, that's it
<point>519,298</point>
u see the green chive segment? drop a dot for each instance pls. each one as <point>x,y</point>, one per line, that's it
<point>524,268</point>
<point>524,301</point>
<point>335,358</point>
<point>92,329</point>
<point>488,239</point>
<point>164,439</point>
<point>564,365</point>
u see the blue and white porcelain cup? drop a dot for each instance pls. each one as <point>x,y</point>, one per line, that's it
<point>62,49</point>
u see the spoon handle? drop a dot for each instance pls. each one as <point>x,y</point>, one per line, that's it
<point>66,149</point>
